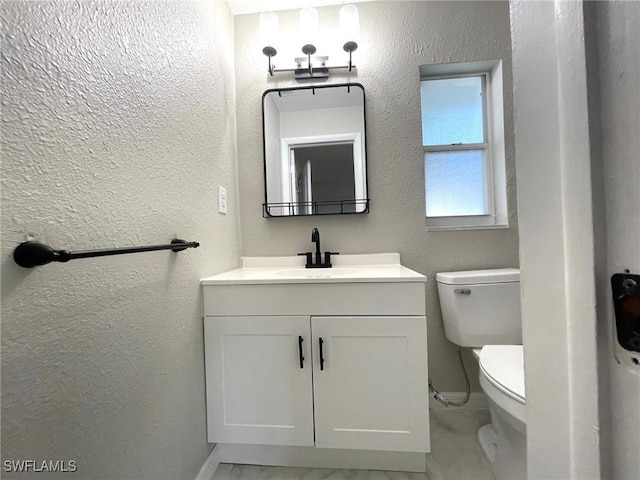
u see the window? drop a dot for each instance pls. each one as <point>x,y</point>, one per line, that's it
<point>463,143</point>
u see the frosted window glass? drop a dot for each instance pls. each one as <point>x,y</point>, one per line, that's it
<point>455,183</point>
<point>452,111</point>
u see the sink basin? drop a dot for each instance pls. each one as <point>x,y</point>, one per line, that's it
<point>315,272</point>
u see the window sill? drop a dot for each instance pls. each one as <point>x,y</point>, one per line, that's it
<point>450,228</point>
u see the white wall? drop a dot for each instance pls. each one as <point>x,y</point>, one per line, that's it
<point>576,75</point>
<point>273,170</point>
<point>618,35</point>
<point>118,122</point>
<point>397,37</point>
<point>326,121</point>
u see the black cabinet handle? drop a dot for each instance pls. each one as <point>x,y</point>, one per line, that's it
<point>300,340</point>
<point>321,354</point>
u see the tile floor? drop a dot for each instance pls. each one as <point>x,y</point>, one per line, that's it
<point>455,455</point>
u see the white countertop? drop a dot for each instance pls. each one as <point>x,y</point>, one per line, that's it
<point>363,268</point>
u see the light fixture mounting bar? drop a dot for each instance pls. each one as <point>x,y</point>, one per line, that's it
<point>316,67</point>
<point>306,70</point>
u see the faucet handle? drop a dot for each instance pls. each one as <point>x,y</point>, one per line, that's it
<point>309,258</point>
<point>327,257</point>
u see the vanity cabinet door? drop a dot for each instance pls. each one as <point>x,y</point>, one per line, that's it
<point>371,390</point>
<point>257,389</point>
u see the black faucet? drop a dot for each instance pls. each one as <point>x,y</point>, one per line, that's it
<point>315,238</point>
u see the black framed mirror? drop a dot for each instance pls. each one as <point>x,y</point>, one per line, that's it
<point>315,156</point>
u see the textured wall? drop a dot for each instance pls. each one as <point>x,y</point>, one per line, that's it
<point>397,37</point>
<point>118,122</point>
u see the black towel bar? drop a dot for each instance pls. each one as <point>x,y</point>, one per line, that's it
<point>33,254</point>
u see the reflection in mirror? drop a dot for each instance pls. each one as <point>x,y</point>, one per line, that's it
<point>314,150</point>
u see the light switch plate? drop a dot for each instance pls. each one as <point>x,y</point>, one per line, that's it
<point>222,199</point>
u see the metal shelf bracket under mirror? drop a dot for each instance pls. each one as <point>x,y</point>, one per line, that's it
<point>315,156</point>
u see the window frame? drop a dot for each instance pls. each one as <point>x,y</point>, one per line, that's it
<point>494,168</point>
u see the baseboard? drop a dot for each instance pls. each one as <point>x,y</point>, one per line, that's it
<point>477,401</point>
<point>210,465</point>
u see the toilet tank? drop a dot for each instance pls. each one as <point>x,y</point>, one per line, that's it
<point>481,307</point>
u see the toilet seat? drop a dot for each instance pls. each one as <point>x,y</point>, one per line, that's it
<point>504,367</point>
<point>502,378</point>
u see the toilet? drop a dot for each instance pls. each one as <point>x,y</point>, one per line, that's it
<point>481,310</point>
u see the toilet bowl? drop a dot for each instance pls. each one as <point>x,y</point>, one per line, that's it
<point>503,441</point>
<point>502,379</point>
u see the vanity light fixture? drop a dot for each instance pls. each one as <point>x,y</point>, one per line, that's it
<point>310,67</point>
<point>349,29</point>
<point>269,27</point>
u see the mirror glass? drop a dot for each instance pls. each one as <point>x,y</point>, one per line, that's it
<point>315,151</point>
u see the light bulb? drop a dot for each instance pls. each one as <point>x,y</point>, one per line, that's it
<point>269,30</point>
<point>349,27</point>
<point>308,29</point>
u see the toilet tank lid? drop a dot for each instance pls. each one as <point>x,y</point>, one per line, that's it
<point>474,277</point>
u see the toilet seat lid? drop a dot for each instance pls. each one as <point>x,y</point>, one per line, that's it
<point>504,365</point>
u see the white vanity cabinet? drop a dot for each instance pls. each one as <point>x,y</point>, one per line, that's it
<point>369,391</point>
<point>256,390</point>
<point>323,360</point>
<point>357,382</point>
